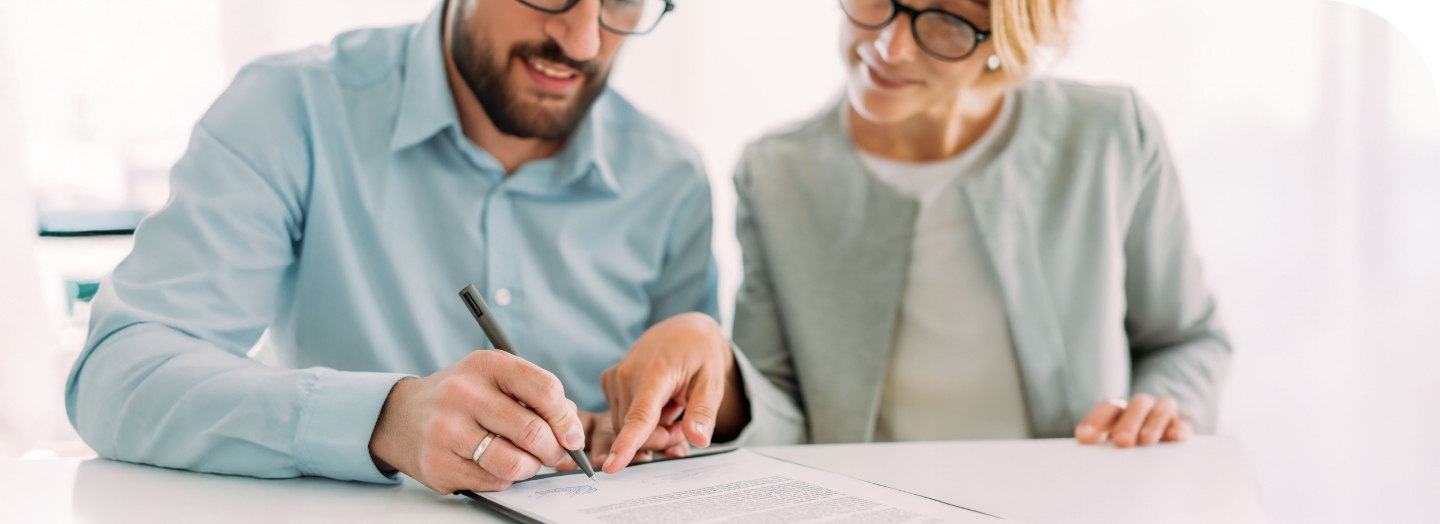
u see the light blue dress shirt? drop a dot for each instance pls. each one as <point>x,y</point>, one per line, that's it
<point>330,196</point>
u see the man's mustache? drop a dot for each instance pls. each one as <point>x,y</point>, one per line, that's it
<point>550,51</point>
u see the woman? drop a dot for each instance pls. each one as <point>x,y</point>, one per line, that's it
<point>954,252</point>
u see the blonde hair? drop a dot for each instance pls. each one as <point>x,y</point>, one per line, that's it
<point>1026,30</point>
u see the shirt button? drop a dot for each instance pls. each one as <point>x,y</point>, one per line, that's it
<point>502,296</point>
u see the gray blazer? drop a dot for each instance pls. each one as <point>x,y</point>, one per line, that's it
<point>1082,219</point>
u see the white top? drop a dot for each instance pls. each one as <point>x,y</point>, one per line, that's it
<point>952,369</point>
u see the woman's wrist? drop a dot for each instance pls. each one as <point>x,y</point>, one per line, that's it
<point>734,412</point>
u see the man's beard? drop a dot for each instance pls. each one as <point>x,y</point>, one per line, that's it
<point>487,80</point>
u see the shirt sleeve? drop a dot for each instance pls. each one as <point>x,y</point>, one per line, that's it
<point>164,378</point>
<point>1177,343</point>
<point>688,279</point>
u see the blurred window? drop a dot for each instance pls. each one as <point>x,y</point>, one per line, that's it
<point>108,90</point>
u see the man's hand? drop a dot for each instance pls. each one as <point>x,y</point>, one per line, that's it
<point>600,435</point>
<point>1142,421</point>
<point>430,427</point>
<point>681,364</point>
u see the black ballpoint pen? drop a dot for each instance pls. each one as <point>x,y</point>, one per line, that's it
<point>481,311</point>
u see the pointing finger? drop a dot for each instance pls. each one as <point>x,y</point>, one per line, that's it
<point>642,417</point>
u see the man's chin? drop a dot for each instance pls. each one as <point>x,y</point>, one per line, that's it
<point>532,112</point>
<point>542,124</point>
<point>550,102</point>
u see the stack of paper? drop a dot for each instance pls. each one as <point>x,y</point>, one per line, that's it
<point>734,487</point>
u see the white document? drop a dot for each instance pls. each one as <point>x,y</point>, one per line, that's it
<point>735,487</point>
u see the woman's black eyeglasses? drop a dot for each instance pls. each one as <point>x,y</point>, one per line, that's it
<point>941,34</point>
<point>627,17</point>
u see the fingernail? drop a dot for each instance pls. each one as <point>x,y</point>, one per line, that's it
<point>608,460</point>
<point>1085,429</point>
<point>699,428</point>
<point>575,438</point>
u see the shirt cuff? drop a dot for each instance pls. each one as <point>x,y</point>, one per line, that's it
<point>336,422</point>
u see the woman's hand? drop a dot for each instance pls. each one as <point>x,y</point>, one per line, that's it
<point>1143,421</point>
<point>682,364</point>
<point>600,436</point>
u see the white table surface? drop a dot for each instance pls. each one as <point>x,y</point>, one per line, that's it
<point>1039,481</point>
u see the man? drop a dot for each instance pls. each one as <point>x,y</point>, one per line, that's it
<point>341,197</point>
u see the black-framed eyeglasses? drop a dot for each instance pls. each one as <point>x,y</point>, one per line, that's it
<point>627,17</point>
<point>941,34</point>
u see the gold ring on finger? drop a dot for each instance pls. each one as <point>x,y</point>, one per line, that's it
<point>484,443</point>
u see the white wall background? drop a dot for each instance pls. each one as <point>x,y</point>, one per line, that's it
<point>1307,134</point>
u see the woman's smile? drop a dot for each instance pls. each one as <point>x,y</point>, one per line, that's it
<point>882,80</point>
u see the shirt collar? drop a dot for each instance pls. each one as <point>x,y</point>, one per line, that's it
<point>427,108</point>
<point>579,167</point>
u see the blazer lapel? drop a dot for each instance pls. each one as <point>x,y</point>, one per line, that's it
<point>997,198</point>
<point>865,231</point>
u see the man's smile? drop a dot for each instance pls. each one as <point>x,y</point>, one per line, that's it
<point>549,77</point>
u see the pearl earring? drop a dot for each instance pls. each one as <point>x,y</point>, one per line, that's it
<point>993,62</point>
